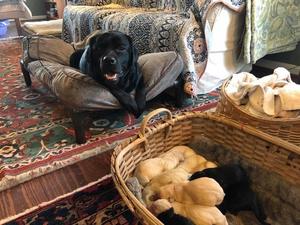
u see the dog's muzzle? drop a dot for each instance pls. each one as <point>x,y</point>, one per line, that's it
<point>109,63</point>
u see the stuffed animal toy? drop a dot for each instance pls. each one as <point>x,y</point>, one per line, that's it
<point>173,176</point>
<point>198,214</point>
<point>204,191</point>
<point>134,186</point>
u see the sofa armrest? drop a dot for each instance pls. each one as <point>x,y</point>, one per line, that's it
<point>223,28</point>
<point>89,2</point>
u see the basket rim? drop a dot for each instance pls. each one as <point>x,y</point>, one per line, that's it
<point>116,158</point>
<point>257,117</point>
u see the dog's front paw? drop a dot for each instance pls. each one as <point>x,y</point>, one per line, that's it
<point>137,114</point>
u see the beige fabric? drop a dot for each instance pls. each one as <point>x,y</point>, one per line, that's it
<point>52,27</point>
<point>275,95</point>
<point>12,10</point>
<point>48,48</point>
<point>160,70</point>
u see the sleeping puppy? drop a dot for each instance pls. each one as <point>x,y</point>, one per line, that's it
<point>149,168</point>
<point>187,213</point>
<point>236,185</point>
<point>111,59</point>
<point>164,211</point>
<point>226,175</point>
<point>203,191</point>
<point>173,176</point>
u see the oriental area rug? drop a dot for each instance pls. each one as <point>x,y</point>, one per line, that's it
<point>36,133</point>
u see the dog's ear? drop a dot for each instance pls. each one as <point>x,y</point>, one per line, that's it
<point>90,47</point>
<point>133,56</point>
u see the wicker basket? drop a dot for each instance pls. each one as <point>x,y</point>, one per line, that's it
<point>257,147</point>
<point>285,128</point>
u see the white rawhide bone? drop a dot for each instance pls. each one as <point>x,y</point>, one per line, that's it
<point>204,191</point>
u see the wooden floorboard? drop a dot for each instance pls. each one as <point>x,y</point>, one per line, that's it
<point>50,186</point>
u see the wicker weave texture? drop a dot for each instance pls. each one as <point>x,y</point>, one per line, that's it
<point>274,154</point>
<point>285,128</point>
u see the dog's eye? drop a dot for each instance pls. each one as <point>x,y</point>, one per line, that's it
<point>122,49</point>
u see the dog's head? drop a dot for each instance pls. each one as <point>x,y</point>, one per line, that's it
<point>112,57</point>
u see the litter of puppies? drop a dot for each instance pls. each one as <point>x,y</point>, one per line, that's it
<point>182,187</point>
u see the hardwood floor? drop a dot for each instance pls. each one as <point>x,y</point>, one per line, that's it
<point>46,188</point>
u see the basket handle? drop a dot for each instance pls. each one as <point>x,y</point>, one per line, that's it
<point>149,116</point>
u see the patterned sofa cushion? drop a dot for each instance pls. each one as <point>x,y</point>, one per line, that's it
<point>160,70</point>
<point>89,2</point>
<point>177,5</point>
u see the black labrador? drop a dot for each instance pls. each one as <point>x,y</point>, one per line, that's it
<point>111,59</point>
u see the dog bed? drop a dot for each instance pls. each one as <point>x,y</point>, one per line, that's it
<point>47,59</point>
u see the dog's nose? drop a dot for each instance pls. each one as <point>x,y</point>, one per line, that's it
<point>109,60</point>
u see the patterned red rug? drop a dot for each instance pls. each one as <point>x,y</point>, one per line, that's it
<point>36,134</point>
<point>99,203</point>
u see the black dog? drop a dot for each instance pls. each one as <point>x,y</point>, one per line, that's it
<point>236,185</point>
<point>111,59</point>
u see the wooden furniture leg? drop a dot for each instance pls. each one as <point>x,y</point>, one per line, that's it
<point>18,25</point>
<point>25,73</point>
<point>80,122</point>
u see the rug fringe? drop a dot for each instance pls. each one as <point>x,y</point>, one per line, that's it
<point>44,204</point>
<point>9,180</point>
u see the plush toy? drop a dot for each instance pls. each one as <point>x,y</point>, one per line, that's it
<point>135,187</point>
<point>173,176</point>
<point>198,214</point>
<point>204,191</point>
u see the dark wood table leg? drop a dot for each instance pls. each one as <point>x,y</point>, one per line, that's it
<point>18,25</point>
<point>25,73</point>
<point>80,120</point>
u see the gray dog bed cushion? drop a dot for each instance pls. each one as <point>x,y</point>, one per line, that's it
<point>77,90</point>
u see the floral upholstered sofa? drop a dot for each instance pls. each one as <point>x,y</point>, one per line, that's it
<point>206,33</point>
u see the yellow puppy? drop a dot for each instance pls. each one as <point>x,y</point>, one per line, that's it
<point>200,215</point>
<point>196,163</point>
<point>204,191</point>
<point>150,168</point>
<point>173,176</point>
<point>181,149</point>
